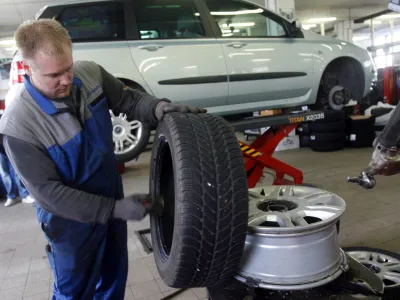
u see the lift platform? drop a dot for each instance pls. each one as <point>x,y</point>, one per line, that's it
<point>259,154</point>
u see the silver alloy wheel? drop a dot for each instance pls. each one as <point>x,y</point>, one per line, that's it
<point>126,134</point>
<point>292,240</point>
<point>386,267</point>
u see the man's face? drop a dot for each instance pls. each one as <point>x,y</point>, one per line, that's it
<point>52,76</point>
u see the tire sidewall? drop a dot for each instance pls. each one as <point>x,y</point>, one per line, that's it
<point>164,267</point>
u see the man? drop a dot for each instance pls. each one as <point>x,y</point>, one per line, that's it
<point>58,135</point>
<point>12,182</point>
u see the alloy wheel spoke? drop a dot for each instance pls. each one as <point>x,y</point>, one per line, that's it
<point>284,220</point>
<point>131,139</point>
<point>134,125</point>
<point>392,276</point>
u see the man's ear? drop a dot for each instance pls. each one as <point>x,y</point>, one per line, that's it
<point>27,68</point>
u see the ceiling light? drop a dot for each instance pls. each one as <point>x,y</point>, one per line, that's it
<point>238,12</point>
<point>389,16</point>
<point>248,24</point>
<point>308,26</point>
<point>322,20</point>
<point>7,42</point>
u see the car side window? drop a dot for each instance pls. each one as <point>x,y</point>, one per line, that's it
<point>168,19</point>
<point>240,19</point>
<point>94,22</point>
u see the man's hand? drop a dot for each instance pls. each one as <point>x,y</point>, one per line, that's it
<point>164,108</point>
<point>135,207</point>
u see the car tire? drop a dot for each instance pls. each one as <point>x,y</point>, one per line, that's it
<point>391,292</point>
<point>303,129</point>
<point>328,137</point>
<point>332,116</point>
<point>143,137</point>
<point>322,127</point>
<point>304,141</point>
<point>198,169</point>
<point>325,142</point>
<point>137,149</point>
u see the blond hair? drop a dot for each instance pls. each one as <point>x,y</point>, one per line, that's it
<point>47,36</point>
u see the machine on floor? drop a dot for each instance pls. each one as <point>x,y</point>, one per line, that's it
<point>292,248</point>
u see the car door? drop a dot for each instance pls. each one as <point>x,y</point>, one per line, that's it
<point>266,66</point>
<point>177,53</point>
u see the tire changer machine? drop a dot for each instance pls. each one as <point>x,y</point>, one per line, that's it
<point>292,250</point>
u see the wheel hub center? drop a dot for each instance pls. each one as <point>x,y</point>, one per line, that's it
<point>118,130</point>
<point>338,97</point>
<point>277,205</point>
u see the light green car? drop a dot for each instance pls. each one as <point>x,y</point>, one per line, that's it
<point>229,56</point>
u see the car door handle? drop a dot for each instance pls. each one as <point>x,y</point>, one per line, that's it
<point>151,47</point>
<point>237,45</point>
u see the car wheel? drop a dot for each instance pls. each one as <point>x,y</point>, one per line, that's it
<point>198,169</point>
<point>321,127</point>
<point>130,137</point>
<point>325,142</point>
<point>385,264</point>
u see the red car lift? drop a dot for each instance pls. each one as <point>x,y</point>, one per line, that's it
<point>258,155</point>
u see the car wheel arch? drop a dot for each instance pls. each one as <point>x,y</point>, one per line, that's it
<point>354,79</point>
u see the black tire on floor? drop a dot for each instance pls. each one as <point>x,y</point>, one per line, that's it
<point>328,136</point>
<point>335,126</point>
<point>303,129</point>
<point>327,146</point>
<point>391,292</point>
<point>198,168</point>
<point>304,141</point>
<point>333,115</point>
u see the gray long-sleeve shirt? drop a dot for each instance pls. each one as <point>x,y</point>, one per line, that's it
<point>40,175</point>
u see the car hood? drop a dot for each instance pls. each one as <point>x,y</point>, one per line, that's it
<point>309,35</point>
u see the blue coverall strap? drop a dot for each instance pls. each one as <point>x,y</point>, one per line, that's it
<point>77,82</point>
<point>44,103</point>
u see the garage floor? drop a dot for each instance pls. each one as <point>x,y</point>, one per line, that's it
<point>372,219</point>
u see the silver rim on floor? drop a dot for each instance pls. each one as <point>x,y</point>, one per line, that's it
<point>386,267</point>
<point>292,240</point>
<point>126,134</point>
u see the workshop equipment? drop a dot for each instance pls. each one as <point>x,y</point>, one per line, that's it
<point>291,239</point>
<point>365,179</point>
<point>258,155</point>
<point>391,84</point>
<point>292,251</point>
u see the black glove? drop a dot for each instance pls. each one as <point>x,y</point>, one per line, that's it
<point>164,108</point>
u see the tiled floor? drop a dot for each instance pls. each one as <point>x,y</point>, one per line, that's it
<point>372,219</point>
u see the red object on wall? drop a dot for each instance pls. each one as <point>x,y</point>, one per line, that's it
<point>391,85</point>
